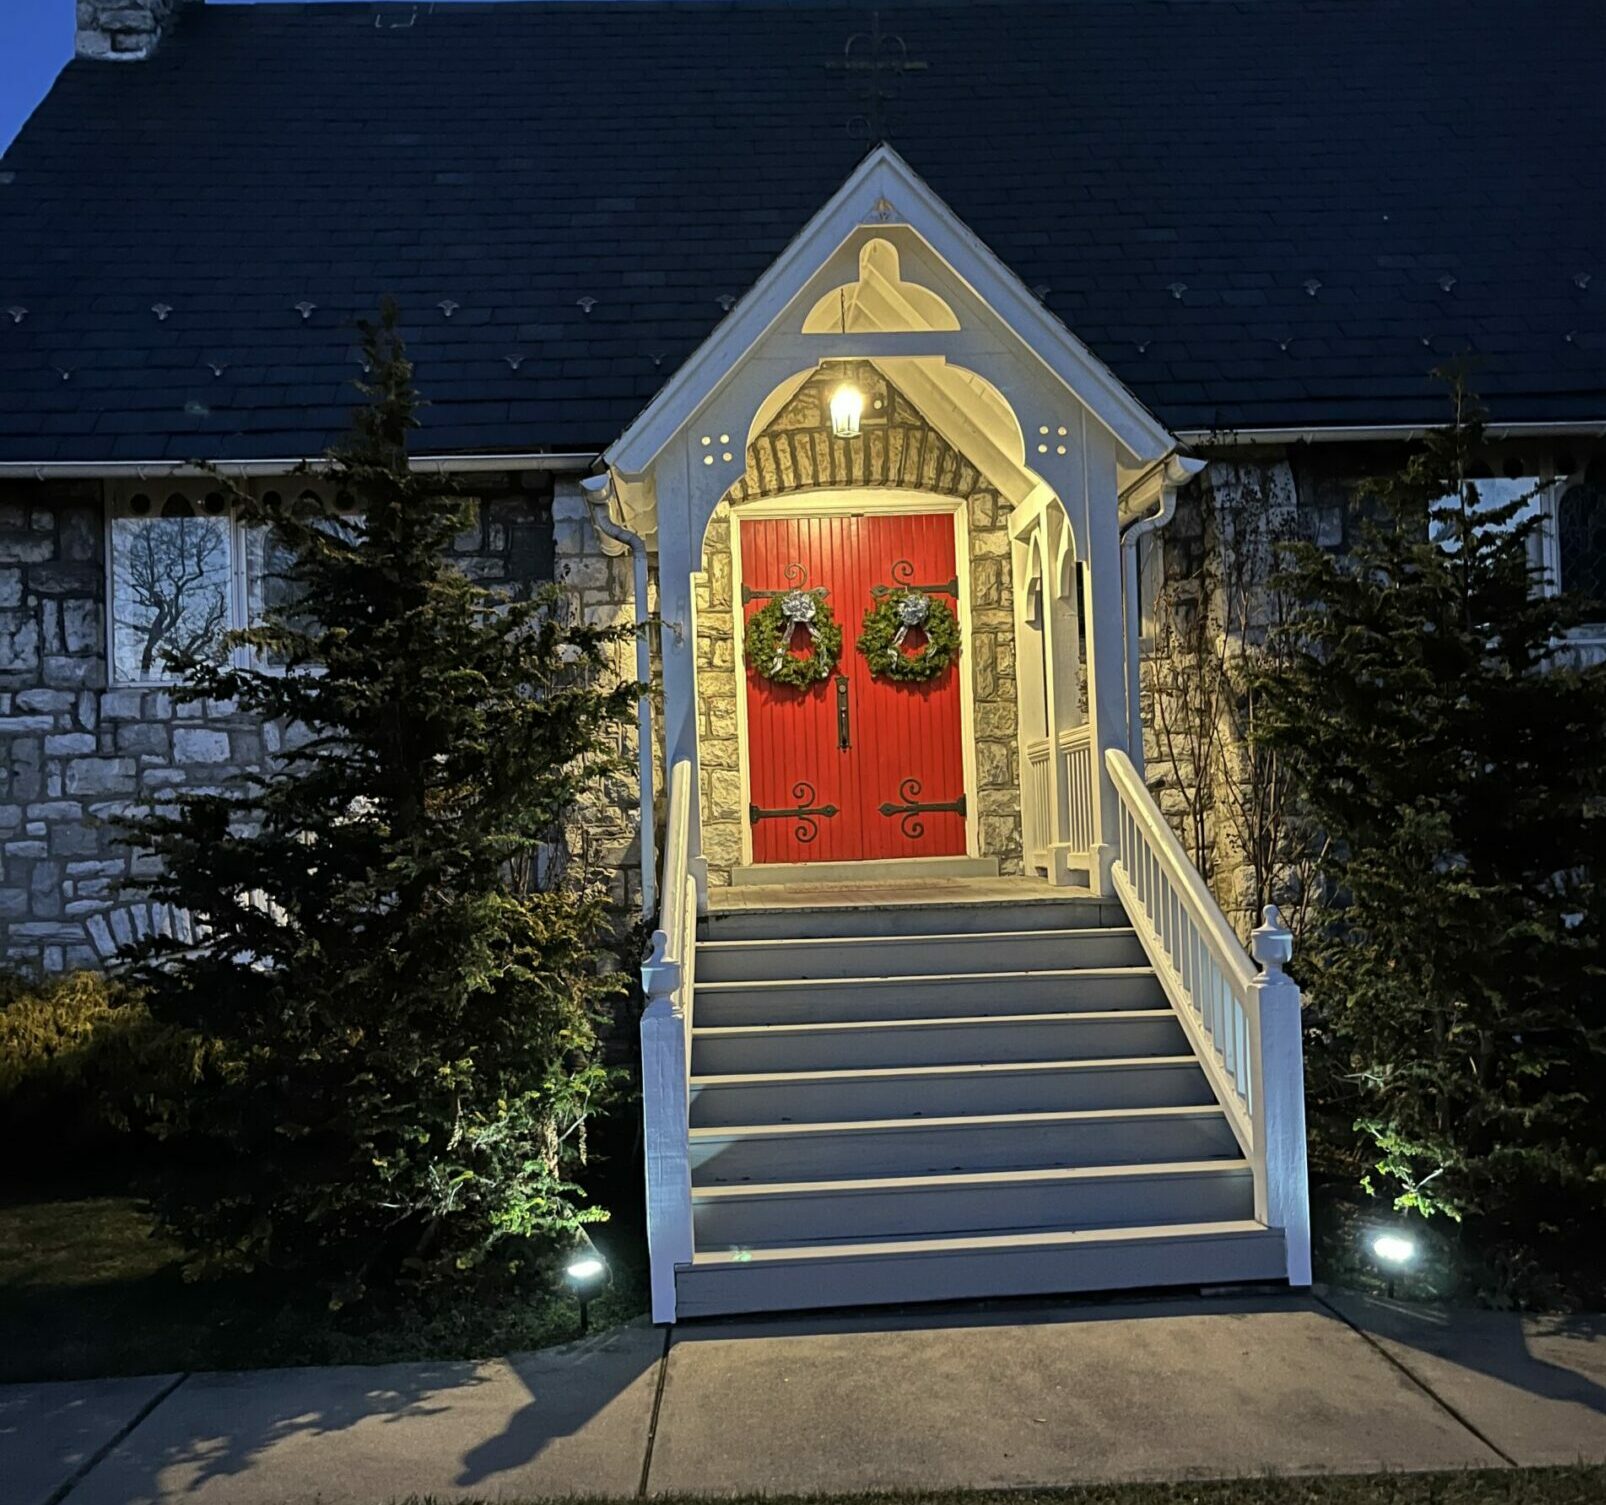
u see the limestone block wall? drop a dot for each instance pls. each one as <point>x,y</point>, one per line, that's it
<point>123,30</point>
<point>1216,595</point>
<point>79,750</point>
<point>896,448</point>
<point>602,834</point>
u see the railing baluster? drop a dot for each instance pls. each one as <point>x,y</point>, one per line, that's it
<point>1218,995</point>
<point>668,979</point>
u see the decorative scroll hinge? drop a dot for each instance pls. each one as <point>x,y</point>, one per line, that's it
<point>806,813</point>
<point>903,572</point>
<point>797,578</point>
<point>912,808</point>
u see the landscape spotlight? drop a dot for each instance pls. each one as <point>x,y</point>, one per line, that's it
<point>587,1271</point>
<point>1394,1251</point>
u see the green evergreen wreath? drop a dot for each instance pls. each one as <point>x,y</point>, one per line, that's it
<point>767,643</point>
<point>896,614</point>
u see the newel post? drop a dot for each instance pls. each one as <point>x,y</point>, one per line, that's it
<point>664,1105</point>
<point>1282,1189</point>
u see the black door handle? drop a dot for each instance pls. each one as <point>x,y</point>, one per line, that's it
<point>842,726</point>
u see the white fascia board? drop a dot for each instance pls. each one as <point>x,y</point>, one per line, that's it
<point>577,463</point>
<point>885,177</point>
<point>1360,433</point>
<point>1041,332</point>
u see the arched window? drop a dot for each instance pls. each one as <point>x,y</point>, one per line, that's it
<point>1581,541</point>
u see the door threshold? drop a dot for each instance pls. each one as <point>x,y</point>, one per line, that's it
<point>887,870</point>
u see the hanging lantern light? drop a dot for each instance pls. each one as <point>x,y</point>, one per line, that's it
<point>847,406</point>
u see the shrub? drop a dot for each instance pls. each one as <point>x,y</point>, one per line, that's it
<point>402,984</point>
<point>1456,765</point>
<point>84,1068</point>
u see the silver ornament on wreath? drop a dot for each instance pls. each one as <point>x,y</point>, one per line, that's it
<point>913,611</point>
<point>799,608</point>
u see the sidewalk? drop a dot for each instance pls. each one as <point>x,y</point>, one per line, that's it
<point>1008,1395</point>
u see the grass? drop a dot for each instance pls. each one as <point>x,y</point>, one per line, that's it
<point>87,1288</point>
<point>1577,1485</point>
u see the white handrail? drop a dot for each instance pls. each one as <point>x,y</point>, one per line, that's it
<point>667,977</point>
<point>1244,1024</point>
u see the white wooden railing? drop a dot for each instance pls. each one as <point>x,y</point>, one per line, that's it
<point>1076,760</point>
<point>1039,810</point>
<point>1243,1022</point>
<point>667,976</point>
<point>1066,792</point>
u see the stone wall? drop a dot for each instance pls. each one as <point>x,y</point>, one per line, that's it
<point>79,751</point>
<point>123,31</point>
<point>1219,557</point>
<point>1218,595</point>
<point>896,448</point>
<point>602,833</point>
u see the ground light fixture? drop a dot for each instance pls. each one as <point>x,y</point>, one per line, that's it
<point>586,1272</point>
<point>847,407</point>
<point>1394,1252</point>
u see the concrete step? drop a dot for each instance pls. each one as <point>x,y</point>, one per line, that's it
<point>946,1091</point>
<point>820,1000</point>
<point>1048,1262</point>
<point>872,918</point>
<point>796,1212</point>
<point>747,1153</point>
<point>936,1042</point>
<point>918,955</point>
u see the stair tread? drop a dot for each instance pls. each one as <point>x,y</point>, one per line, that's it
<point>972,1068</point>
<point>874,895</point>
<point>880,1185</point>
<point>897,979</point>
<point>935,938</point>
<point>963,1120</point>
<point>839,1249</point>
<point>937,1021</point>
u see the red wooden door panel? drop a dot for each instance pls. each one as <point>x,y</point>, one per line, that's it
<point>811,799</point>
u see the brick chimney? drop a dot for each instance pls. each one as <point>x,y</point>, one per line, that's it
<point>124,31</point>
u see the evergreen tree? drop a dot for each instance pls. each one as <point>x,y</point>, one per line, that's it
<point>402,989</point>
<point>1457,764</point>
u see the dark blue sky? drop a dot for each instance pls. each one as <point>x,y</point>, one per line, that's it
<point>35,40</point>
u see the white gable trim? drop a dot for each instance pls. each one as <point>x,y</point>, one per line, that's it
<point>884,189</point>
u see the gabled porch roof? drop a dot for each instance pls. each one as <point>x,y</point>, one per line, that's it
<point>914,290</point>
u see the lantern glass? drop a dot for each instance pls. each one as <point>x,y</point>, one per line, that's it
<point>847,407</point>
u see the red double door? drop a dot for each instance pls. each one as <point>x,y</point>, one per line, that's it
<point>861,766</point>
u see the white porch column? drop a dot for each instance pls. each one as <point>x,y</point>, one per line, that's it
<point>1059,708</point>
<point>1106,646</point>
<point>679,556</point>
<point>1080,466</point>
<point>693,473</point>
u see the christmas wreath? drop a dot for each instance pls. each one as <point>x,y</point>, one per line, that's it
<point>890,621</point>
<point>767,643</point>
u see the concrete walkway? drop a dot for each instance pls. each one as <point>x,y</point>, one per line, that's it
<point>962,1397</point>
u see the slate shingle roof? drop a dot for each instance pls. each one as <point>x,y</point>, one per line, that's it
<point>1176,173</point>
